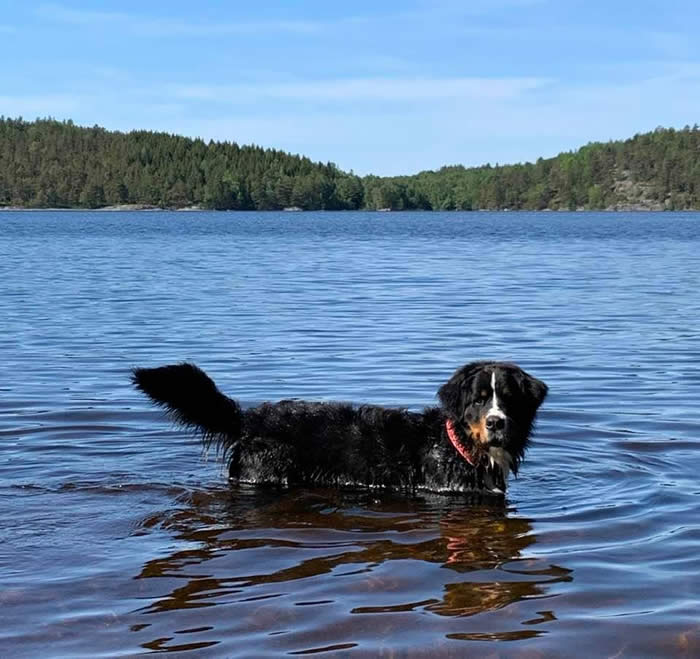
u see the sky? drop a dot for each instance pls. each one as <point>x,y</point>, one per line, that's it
<point>375,87</point>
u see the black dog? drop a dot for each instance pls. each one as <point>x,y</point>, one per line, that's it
<point>469,444</point>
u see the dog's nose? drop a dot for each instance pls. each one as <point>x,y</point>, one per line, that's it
<point>494,422</point>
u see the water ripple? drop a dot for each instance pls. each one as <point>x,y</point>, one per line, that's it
<point>122,538</point>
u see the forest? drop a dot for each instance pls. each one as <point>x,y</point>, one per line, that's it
<point>56,164</point>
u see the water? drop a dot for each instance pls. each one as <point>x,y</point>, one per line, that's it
<point>120,539</point>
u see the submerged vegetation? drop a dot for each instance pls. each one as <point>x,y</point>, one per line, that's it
<point>55,164</point>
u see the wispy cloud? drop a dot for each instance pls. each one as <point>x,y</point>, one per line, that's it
<point>163,27</point>
<point>365,89</point>
<point>667,44</point>
<point>146,25</point>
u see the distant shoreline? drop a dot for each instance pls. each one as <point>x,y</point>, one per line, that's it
<point>145,208</point>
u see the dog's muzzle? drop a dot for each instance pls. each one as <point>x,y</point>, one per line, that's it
<point>495,429</point>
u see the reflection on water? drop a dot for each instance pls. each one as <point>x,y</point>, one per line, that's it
<point>282,559</point>
<point>118,539</point>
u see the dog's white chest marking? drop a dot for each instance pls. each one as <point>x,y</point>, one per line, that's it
<point>501,457</point>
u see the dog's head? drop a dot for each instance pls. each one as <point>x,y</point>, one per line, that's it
<point>492,406</point>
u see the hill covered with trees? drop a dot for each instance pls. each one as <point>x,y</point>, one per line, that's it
<point>48,163</point>
<point>652,171</point>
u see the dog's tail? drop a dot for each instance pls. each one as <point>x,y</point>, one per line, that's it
<point>192,400</point>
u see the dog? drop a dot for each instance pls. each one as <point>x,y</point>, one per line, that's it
<point>471,442</point>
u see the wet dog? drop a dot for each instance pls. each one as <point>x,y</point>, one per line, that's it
<point>471,442</point>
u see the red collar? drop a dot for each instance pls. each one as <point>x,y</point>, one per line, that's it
<point>457,443</point>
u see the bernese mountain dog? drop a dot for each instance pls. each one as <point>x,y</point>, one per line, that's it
<point>471,442</point>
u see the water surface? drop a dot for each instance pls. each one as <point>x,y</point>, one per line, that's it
<point>121,539</point>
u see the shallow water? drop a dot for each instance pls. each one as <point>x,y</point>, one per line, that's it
<point>120,539</point>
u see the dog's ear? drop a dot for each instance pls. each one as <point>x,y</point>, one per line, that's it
<point>534,389</point>
<point>454,394</point>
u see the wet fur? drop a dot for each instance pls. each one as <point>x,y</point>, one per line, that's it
<point>294,442</point>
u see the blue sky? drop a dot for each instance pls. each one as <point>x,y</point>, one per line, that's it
<point>377,87</point>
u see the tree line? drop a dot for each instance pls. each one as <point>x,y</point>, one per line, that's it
<point>54,164</point>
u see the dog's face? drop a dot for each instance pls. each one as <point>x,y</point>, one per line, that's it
<point>493,406</point>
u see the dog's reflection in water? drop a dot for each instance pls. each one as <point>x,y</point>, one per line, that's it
<point>266,543</point>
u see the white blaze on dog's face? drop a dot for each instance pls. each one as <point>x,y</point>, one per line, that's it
<point>497,417</point>
<point>495,410</point>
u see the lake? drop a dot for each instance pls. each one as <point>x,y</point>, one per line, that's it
<point>121,538</point>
